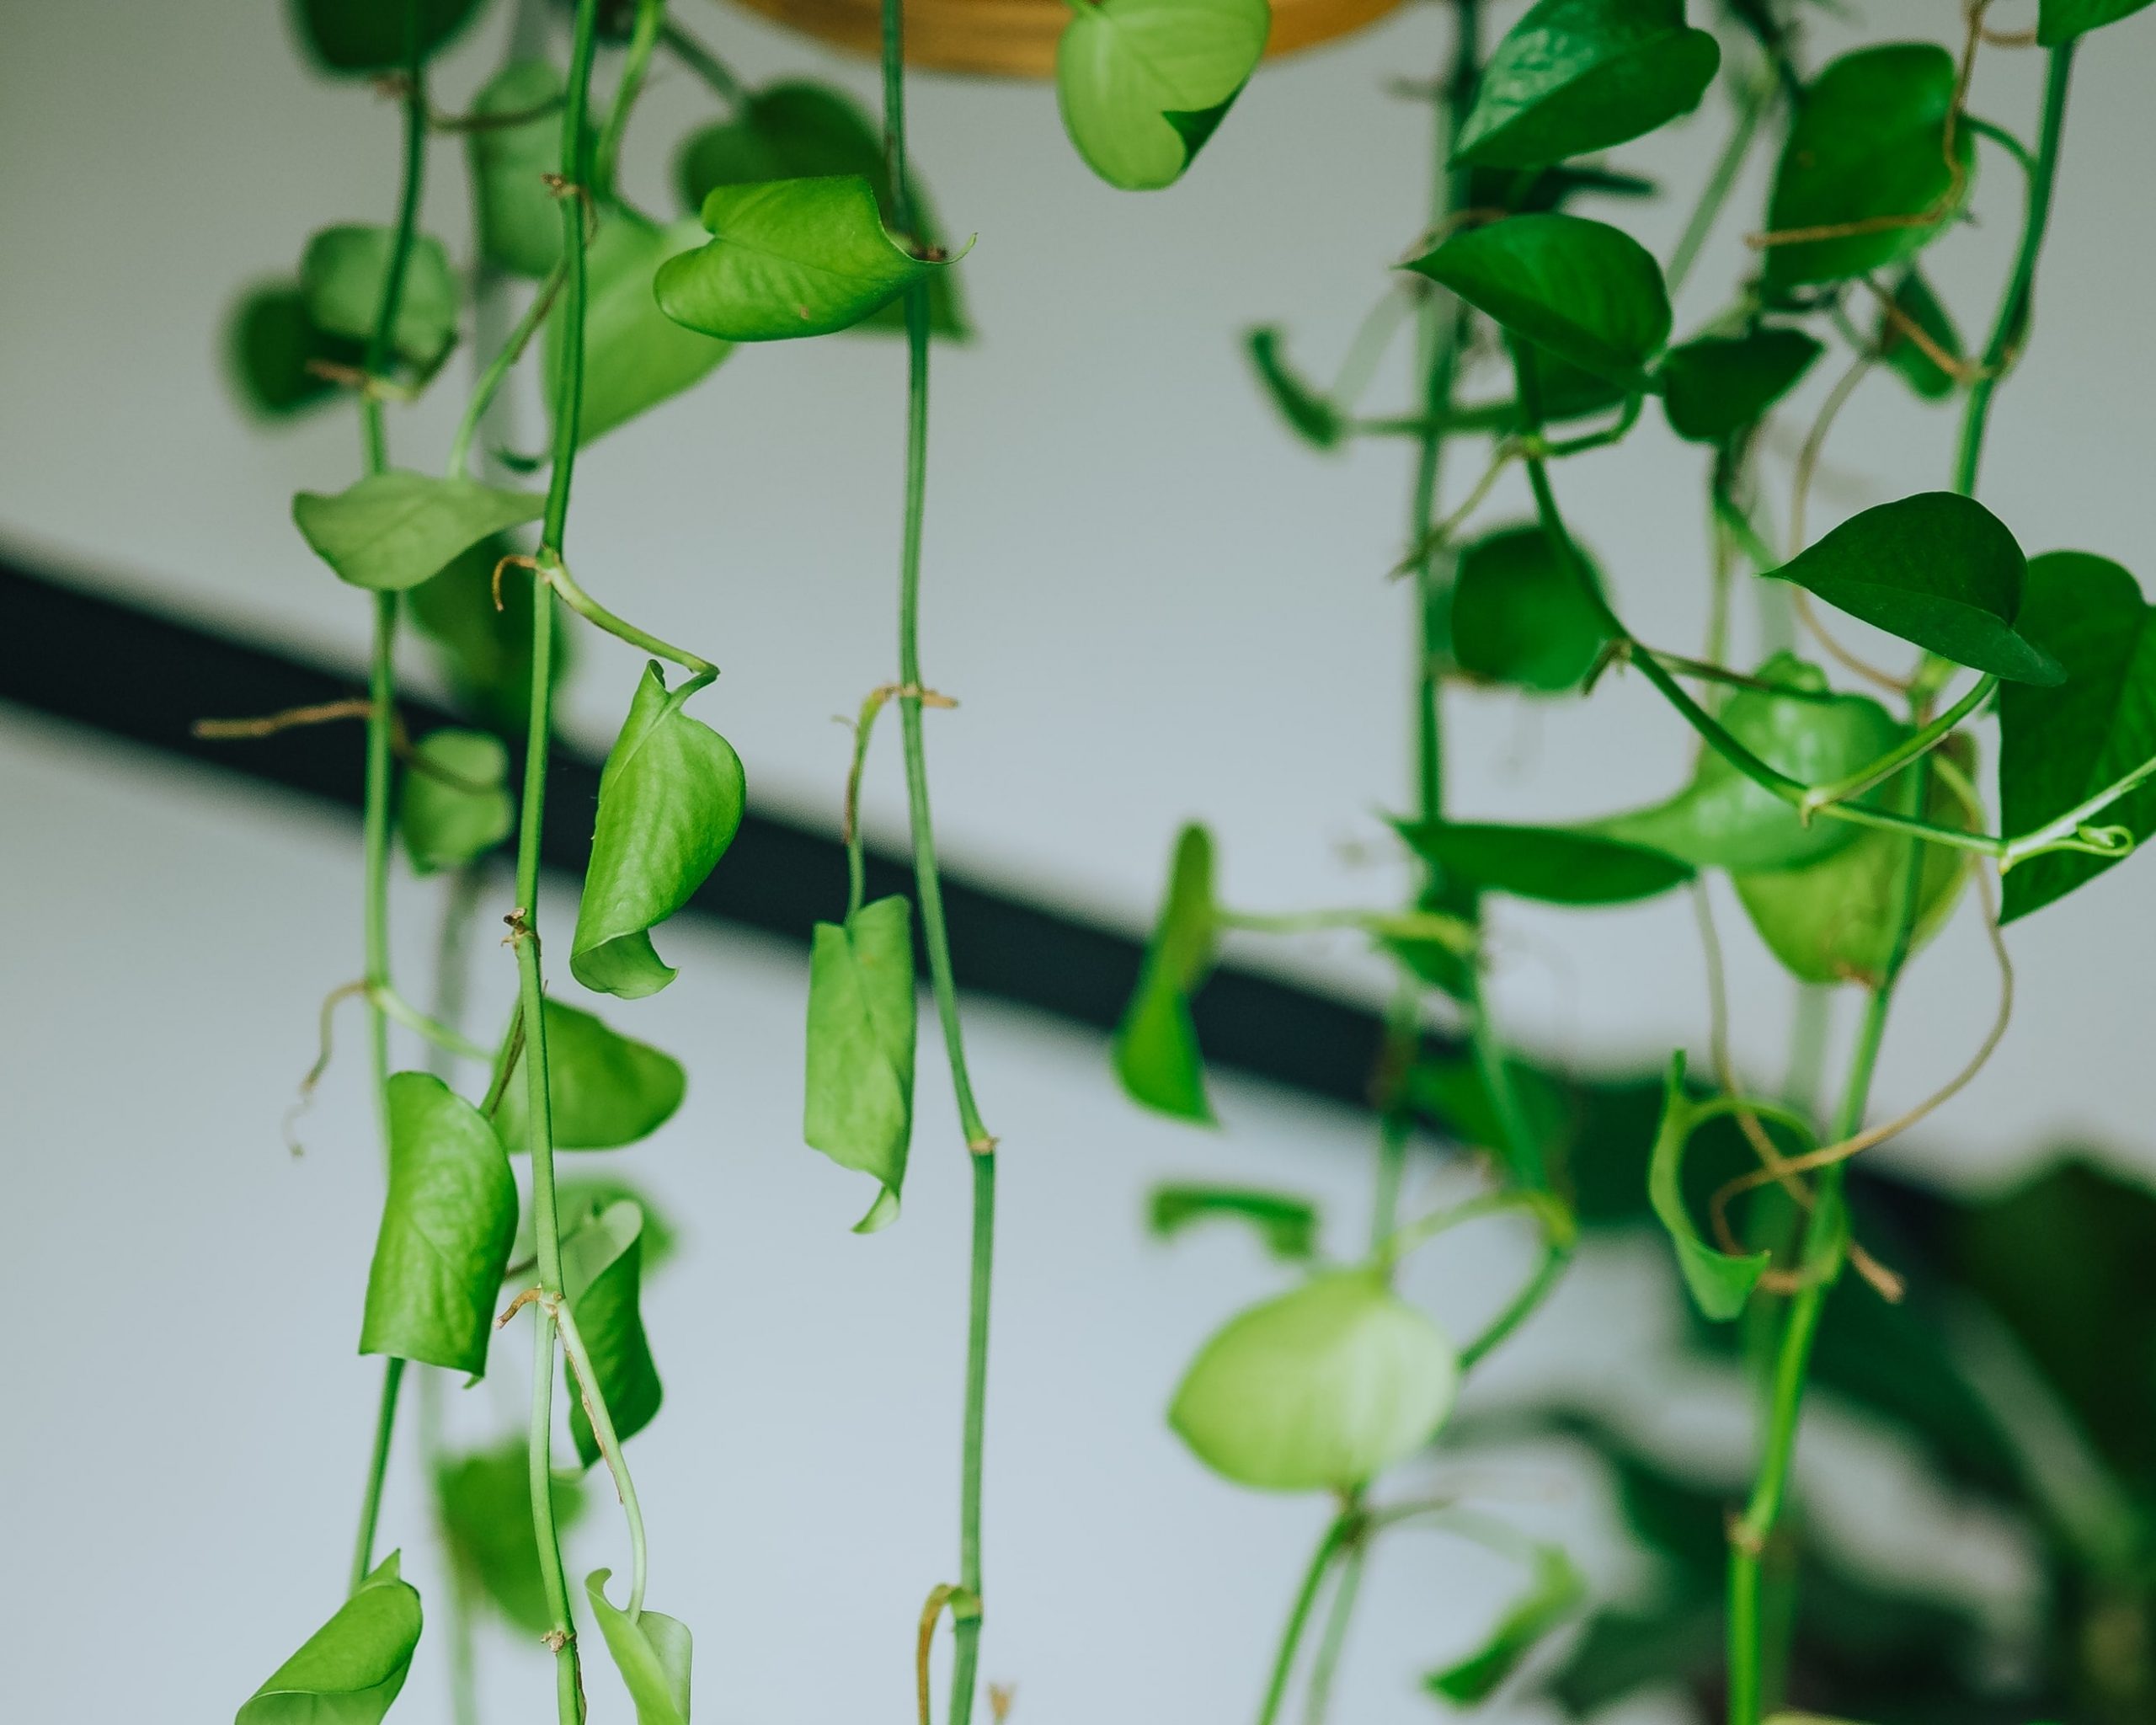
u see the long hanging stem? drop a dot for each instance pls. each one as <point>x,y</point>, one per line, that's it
<point>1752,97</point>
<point>1336,1535</point>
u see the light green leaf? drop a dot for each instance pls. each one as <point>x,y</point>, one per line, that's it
<point>446,1226</point>
<point>859,1105</point>
<point>1589,292</point>
<point>1321,1389</point>
<point>349,1671</point>
<point>2062,20</point>
<point>1287,1224</point>
<point>455,803</point>
<point>1719,1285</point>
<point>2059,746</point>
<point>1938,570</point>
<point>580,1198</point>
<point>1309,414</point>
<point>1554,1590</point>
<point>1914,300</point>
<point>670,802</point>
<point>1718,385</point>
<point>519,218</point>
<point>393,531</point>
<point>651,1651</point>
<point>1156,1049</point>
<point>356,37</point>
<point>1578,75</point>
<point>604,1089</point>
<point>1143,84</point>
<point>1553,865</point>
<point>342,275</point>
<point>602,1270</point>
<point>483,1504</point>
<point>1520,615</point>
<point>270,344</point>
<point>788,258</point>
<point>1868,146</point>
<point>486,654</point>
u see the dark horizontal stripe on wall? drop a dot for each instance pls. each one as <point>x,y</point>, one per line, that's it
<point>132,673</point>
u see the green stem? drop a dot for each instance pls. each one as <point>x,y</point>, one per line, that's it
<point>702,670</point>
<point>609,1446</point>
<point>1317,1700</point>
<point>1299,1615</point>
<point>385,1427</point>
<point>644,37</point>
<point>490,381</point>
<point>1920,741</point>
<point>386,1001</point>
<point>1750,105</point>
<point>1522,1148</point>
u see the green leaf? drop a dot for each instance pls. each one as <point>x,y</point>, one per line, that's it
<point>358,37</point>
<point>1321,1389</point>
<point>485,654</point>
<point>1156,1049</point>
<point>580,1198</point>
<point>2059,746</point>
<point>1309,414</point>
<point>483,1505</point>
<point>1589,292</point>
<point>1719,1283</point>
<point>1143,84</point>
<point>651,1651</point>
<point>446,1225</point>
<point>859,1105</point>
<point>788,258</point>
<point>1578,75</point>
<point>1288,1226</point>
<point>2062,20</point>
<point>798,131</point>
<point>602,1270</point>
<point>1550,188</point>
<point>1554,865</point>
<point>455,803</point>
<point>395,530</point>
<point>1938,570</point>
<point>1868,145</point>
<point>342,275</point>
<point>1719,385</point>
<point>1455,1092</point>
<point>518,218</point>
<point>270,344</point>
<point>670,802</point>
<point>1520,614</point>
<point>1555,1589</point>
<point>1721,819</point>
<point>604,1089</point>
<point>349,1671</point>
<point>1914,300</point>
<point>634,355</point>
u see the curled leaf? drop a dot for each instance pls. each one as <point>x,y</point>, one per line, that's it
<point>580,1198</point>
<point>1287,1224</point>
<point>651,1651</point>
<point>349,1672</point>
<point>1142,84</point>
<point>602,1271</point>
<point>343,272</point>
<point>455,803</point>
<point>604,1089</point>
<point>1719,1283</point>
<point>1156,1049</point>
<point>858,1108</point>
<point>393,531</point>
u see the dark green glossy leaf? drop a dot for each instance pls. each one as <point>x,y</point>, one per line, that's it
<point>788,258</point>
<point>1550,188</point>
<point>359,37</point>
<point>1143,84</point>
<point>1308,413</point>
<point>651,1651</point>
<point>670,802</point>
<point>1321,1388</point>
<point>602,1269</point>
<point>349,1671</point>
<point>342,275</point>
<point>446,1226</point>
<point>1156,1050</point>
<point>1718,385</point>
<point>634,355</point>
<point>486,654</point>
<point>455,803</point>
<point>1914,300</point>
<point>1938,570</point>
<point>1554,1590</point>
<point>1719,1283</point>
<point>1288,1226</point>
<point>1578,75</point>
<point>580,1197</point>
<point>1868,145</point>
<point>859,1105</point>
<point>519,219</point>
<point>2062,20</point>
<point>1554,865</point>
<point>1586,291</point>
<point>270,345</point>
<point>483,1502</point>
<point>2058,746</point>
<point>393,531</point>
<point>1521,615</point>
<point>798,131</point>
<point>604,1089</point>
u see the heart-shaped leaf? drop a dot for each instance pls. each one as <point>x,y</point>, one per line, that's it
<point>518,216</point>
<point>1554,1591</point>
<point>482,1503</point>
<point>1578,75</point>
<point>1308,413</point>
<point>2062,20</point>
<point>651,1651</point>
<point>1716,387</point>
<point>455,804</point>
<point>1321,1389</point>
<point>446,1226</point>
<point>1156,1049</point>
<point>1914,303</point>
<point>1938,570</point>
<point>1142,84</point>
<point>2058,746</point>
<point>1520,615</point>
<point>1553,865</point>
<point>485,652</point>
<point>362,37</point>
<point>859,1105</point>
<point>602,1270</point>
<point>1867,152</point>
<point>634,355</point>
<point>349,1671</point>
<point>670,802</point>
<point>1590,293</point>
<point>1719,1283</point>
<point>788,258</point>
<point>342,277</point>
<point>1286,1224</point>
<point>604,1089</point>
<point>395,530</point>
<point>271,346</point>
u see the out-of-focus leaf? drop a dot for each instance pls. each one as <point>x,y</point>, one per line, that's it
<point>342,277</point>
<point>349,1671</point>
<point>1142,84</point>
<point>390,532</point>
<point>1721,385</point>
<point>455,804</point>
<point>1554,865</point>
<point>1916,303</point>
<point>1553,1592</point>
<point>2062,20</point>
<point>602,1269</point>
<point>651,1651</point>
<point>858,1108</point>
<point>1719,1283</point>
<point>484,1504</point>
<point>604,1089</point>
<point>486,654</point>
<point>580,1197</point>
<point>519,217</point>
<point>360,38</point>
<point>1525,194</point>
<point>1520,614</point>
<point>1309,414</point>
<point>270,345</point>
<point>1287,1224</point>
<point>1454,1092</point>
<point>1156,1050</point>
